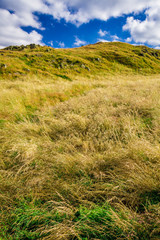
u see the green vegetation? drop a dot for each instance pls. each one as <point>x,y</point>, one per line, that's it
<point>91,60</point>
<point>80,143</point>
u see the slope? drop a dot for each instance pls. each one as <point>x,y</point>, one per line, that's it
<point>79,151</point>
<point>100,58</point>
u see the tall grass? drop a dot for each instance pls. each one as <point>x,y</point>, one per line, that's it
<point>80,159</point>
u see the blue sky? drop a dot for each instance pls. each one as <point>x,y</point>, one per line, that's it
<point>58,32</point>
<point>72,23</point>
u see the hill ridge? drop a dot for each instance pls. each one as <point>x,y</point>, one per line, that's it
<point>95,59</point>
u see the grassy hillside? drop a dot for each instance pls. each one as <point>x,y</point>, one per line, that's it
<point>80,143</point>
<point>101,58</point>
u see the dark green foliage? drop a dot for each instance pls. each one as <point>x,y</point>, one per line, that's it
<point>101,217</point>
<point>64,77</point>
<point>23,222</point>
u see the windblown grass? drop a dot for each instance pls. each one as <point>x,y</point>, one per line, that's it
<point>92,60</point>
<point>80,159</point>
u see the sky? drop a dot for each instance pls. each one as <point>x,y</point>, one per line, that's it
<point>73,23</point>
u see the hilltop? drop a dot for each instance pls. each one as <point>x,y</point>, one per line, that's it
<point>97,59</point>
<point>80,143</point>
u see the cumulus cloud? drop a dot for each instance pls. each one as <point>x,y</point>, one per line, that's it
<point>146,31</point>
<point>112,38</point>
<point>17,14</point>
<point>61,44</point>
<point>158,47</point>
<point>115,38</point>
<point>102,40</point>
<point>12,34</point>
<point>128,40</point>
<point>79,42</point>
<point>51,43</point>
<point>21,13</point>
<point>82,11</point>
<point>102,33</point>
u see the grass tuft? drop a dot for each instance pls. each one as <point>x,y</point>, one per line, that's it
<point>80,148</point>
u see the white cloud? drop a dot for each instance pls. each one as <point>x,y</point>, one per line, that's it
<point>51,43</point>
<point>143,32</point>
<point>82,11</point>
<point>79,42</point>
<point>102,33</point>
<point>111,38</point>
<point>77,12</point>
<point>158,47</point>
<point>23,11</point>
<point>129,39</point>
<point>61,44</point>
<point>115,38</point>
<point>102,40</point>
<point>12,34</point>
<point>146,31</point>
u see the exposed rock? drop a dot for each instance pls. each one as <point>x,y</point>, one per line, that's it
<point>16,48</point>
<point>26,69</point>
<point>32,46</point>
<point>98,59</point>
<point>2,65</point>
<point>87,68</point>
<point>83,66</point>
<point>61,65</point>
<point>21,48</point>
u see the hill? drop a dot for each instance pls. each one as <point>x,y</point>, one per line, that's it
<point>79,143</point>
<point>94,59</point>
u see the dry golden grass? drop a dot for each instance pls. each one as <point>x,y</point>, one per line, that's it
<point>81,159</point>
